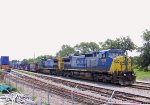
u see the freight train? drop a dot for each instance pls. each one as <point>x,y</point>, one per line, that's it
<point>112,65</point>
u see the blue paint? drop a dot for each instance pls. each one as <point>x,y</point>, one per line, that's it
<point>104,62</point>
<point>80,62</point>
<point>47,63</point>
<point>108,63</point>
<point>4,60</point>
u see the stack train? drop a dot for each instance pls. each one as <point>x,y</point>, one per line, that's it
<point>112,65</point>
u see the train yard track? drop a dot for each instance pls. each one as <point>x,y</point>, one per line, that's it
<point>142,87</point>
<point>80,97</point>
<point>143,83</point>
<point>127,97</point>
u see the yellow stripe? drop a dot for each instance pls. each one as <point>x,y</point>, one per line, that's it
<point>118,64</point>
<point>60,64</point>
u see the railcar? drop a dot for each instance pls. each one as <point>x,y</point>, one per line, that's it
<point>33,67</point>
<point>111,65</point>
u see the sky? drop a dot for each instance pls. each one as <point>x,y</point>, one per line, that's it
<point>43,26</point>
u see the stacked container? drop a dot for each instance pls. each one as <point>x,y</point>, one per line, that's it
<point>4,62</point>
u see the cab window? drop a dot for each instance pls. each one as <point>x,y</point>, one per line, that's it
<point>102,56</point>
<point>115,54</point>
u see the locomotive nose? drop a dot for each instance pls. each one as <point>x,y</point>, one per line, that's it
<point>125,64</point>
<point>122,63</point>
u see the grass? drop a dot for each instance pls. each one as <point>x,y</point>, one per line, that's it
<point>34,97</point>
<point>22,71</point>
<point>141,75</point>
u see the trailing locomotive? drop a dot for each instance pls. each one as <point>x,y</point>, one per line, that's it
<point>111,65</point>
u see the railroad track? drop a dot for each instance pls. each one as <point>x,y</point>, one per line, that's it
<point>143,83</point>
<point>141,86</point>
<point>80,97</point>
<point>128,97</point>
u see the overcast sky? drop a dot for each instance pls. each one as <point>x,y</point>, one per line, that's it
<point>43,26</point>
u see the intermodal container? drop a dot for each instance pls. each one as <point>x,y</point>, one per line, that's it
<point>4,60</point>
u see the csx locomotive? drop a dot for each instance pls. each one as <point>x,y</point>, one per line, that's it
<point>112,65</point>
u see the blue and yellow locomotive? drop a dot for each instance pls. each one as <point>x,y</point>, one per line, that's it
<point>111,65</point>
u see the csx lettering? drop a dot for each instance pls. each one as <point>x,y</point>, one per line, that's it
<point>80,62</point>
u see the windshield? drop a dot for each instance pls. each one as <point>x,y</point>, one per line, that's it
<point>115,54</point>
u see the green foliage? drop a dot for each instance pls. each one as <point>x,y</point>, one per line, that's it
<point>85,47</point>
<point>66,50</point>
<point>145,51</point>
<point>141,75</point>
<point>28,61</point>
<point>82,47</point>
<point>127,44</point>
<point>146,35</point>
<point>34,97</point>
<point>25,61</point>
<point>14,61</point>
<point>36,60</point>
<point>109,44</point>
<point>124,43</point>
<point>93,46</point>
<point>29,73</point>
<point>137,60</point>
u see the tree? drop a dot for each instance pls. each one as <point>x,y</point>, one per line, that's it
<point>13,62</point>
<point>127,44</point>
<point>137,61</point>
<point>93,46</point>
<point>110,44</point>
<point>85,47</point>
<point>24,61</point>
<point>124,43</point>
<point>37,59</point>
<point>66,50</point>
<point>145,50</point>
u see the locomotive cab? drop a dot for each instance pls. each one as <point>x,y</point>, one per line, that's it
<point>116,66</point>
<point>121,67</point>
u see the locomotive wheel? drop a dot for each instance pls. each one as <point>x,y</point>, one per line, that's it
<point>95,78</point>
<point>104,79</point>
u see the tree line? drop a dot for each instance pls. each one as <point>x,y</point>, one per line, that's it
<point>124,43</point>
<point>143,61</point>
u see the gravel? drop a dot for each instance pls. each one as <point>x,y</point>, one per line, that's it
<point>42,96</point>
<point>126,89</point>
<point>147,79</point>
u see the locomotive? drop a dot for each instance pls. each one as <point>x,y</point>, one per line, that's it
<point>112,65</point>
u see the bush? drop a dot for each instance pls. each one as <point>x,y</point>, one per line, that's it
<point>149,68</point>
<point>135,67</point>
<point>145,68</point>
